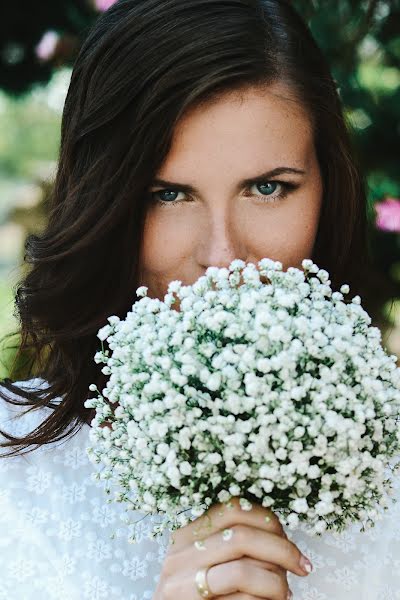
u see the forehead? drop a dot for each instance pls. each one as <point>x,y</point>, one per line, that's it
<point>266,125</point>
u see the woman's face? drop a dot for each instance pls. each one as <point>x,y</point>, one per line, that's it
<point>241,180</point>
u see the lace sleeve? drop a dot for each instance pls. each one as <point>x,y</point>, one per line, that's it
<point>353,565</point>
<point>56,526</point>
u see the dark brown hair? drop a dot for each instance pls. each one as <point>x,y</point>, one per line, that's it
<point>143,64</point>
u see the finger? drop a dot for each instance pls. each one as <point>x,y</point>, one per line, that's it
<point>265,565</point>
<point>240,596</point>
<point>220,516</point>
<point>240,541</point>
<point>232,577</point>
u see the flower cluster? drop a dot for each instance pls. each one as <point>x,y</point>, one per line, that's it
<point>103,5</point>
<point>47,47</point>
<point>388,215</point>
<point>265,384</point>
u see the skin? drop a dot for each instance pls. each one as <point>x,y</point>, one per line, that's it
<point>215,146</point>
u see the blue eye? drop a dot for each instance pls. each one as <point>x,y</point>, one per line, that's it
<point>268,192</point>
<point>268,185</point>
<point>168,195</point>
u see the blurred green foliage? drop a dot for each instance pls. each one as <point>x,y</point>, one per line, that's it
<point>29,132</point>
<point>6,310</point>
<point>362,43</point>
<point>22,25</point>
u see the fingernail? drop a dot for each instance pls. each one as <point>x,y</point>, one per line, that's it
<point>305,564</point>
<point>289,595</point>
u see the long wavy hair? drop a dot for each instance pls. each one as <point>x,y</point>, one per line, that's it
<point>143,64</point>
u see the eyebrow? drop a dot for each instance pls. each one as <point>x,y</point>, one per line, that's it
<point>184,187</point>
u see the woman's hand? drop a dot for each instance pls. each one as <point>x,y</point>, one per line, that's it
<point>248,562</point>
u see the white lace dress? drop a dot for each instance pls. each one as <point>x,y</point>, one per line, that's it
<point>55,529</point>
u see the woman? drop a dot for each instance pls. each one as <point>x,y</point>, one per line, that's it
<point>194,132</point>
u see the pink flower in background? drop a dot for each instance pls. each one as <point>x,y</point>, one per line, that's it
<point>388,215</point>
<point>47,46</point>
<point>104,4</point>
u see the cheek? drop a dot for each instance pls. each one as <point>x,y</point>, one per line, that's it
<point>286,233</point>
<point>303,233</point>
<point>165,241</point>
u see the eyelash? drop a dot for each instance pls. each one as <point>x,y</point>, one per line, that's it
<point>286,186</point>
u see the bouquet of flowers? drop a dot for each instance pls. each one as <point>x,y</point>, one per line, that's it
<point>265,385</point>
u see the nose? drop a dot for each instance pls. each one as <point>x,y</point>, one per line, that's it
<point>220,242</point>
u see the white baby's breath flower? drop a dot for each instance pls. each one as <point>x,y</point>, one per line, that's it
<point>237,264</point>
<point>104,332</point>
<point>307,264</point>
<point>293,521</point>
<point>142,291</point>
<point>257,390</point>
<point>300,505</point>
